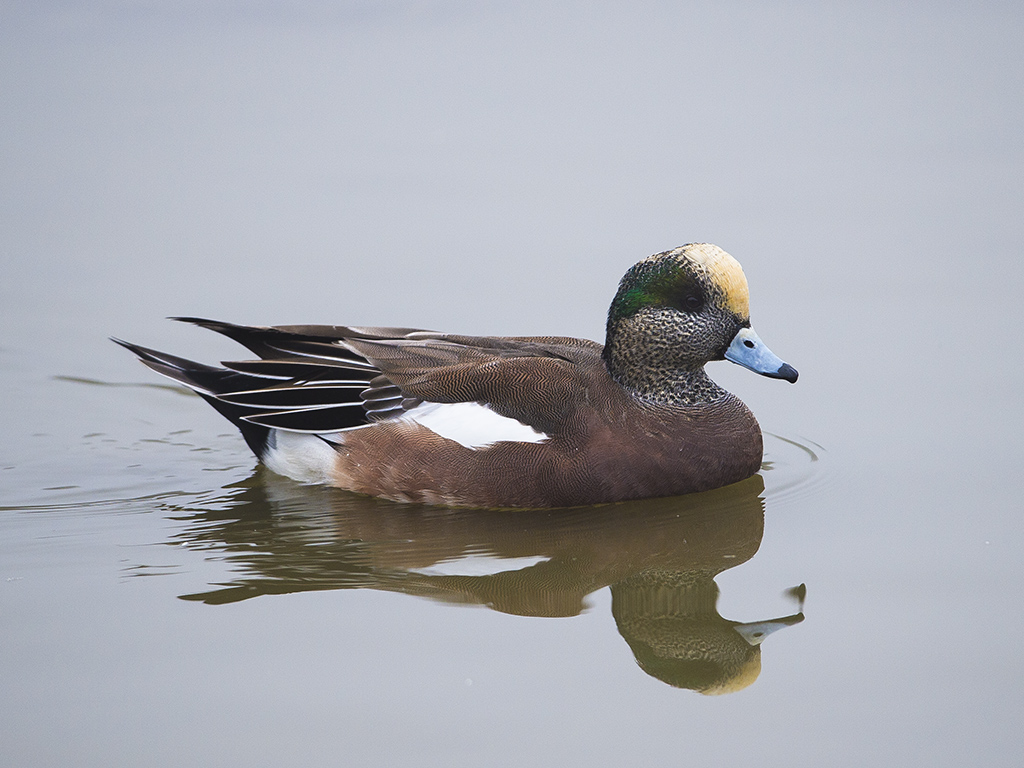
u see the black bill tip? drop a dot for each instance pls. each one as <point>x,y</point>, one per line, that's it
<point>787,372</point>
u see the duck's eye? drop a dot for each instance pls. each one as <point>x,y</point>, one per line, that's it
<point>693,301</point>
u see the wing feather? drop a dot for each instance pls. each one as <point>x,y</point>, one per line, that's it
<point>319,378</point>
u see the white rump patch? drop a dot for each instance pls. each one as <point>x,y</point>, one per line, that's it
<point>301,457</point>
<point>472,425</point>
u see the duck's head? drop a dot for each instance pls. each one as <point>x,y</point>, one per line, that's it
<point>677,310</point>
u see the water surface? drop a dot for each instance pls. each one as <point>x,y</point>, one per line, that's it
<point>456,166</point>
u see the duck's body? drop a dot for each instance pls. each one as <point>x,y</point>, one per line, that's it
<point>424,417</point>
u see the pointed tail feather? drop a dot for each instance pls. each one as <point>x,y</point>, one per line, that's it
<point>307,385</point>
<point>318,341</point>
<point>205,381</point>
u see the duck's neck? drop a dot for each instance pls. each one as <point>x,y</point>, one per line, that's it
<point>661,384</point>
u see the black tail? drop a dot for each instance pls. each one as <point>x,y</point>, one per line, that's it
<point>304,383</point>
<point>204,380</point>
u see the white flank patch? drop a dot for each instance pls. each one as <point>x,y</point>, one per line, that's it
<point>472,425</point>
<point>301,457</point>
<point>480,565</point>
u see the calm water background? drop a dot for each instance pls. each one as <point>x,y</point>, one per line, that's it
<point>487,169</point>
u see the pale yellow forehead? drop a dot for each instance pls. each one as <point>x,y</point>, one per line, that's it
<point>724,271</point>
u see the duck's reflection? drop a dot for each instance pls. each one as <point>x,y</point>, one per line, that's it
<point>658,556</point>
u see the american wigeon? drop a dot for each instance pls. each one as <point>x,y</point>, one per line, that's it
<point>476,421</point>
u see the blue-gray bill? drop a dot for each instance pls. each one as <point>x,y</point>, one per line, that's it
<point>748,350</point>
<point>756,631</point>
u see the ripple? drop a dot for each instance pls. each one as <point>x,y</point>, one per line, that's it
<point>793,467</point>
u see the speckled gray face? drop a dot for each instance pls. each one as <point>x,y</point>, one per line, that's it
<point>676,311</point>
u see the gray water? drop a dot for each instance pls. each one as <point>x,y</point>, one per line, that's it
<point>494,169</point>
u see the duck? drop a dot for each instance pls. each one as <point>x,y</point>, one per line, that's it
<point>432,418</point>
